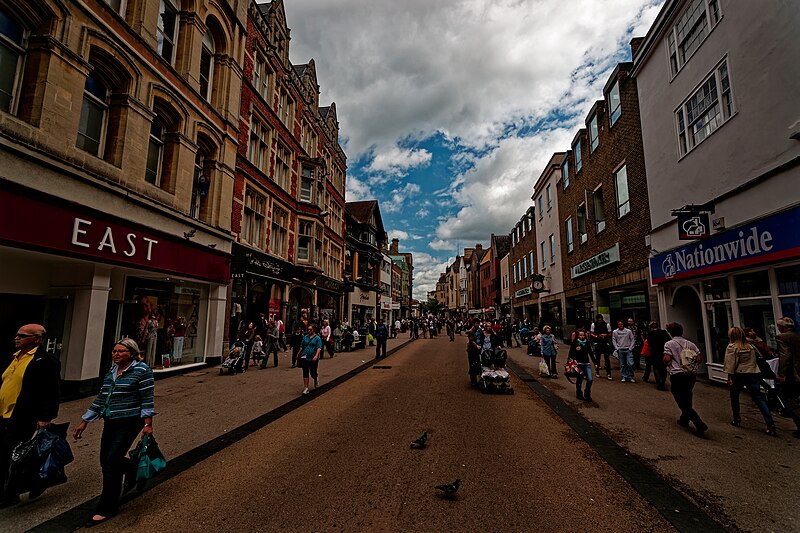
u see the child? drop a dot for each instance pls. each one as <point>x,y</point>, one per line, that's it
<point>257,352</point>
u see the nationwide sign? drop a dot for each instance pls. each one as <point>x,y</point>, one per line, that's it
<point>763,241</point>
<point>604,258</point>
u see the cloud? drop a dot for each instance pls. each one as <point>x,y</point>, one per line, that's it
<point>357,190</point>
<point>399,196</point>
<point>440,244</point>
<point>427,270</point>
<point>396,161</point>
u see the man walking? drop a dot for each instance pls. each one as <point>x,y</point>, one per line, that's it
<point>28,398</point>
<point>623,342</point>
<point>789,369</point>
<point>600,334</point>
<point>638,342</point>
<point>381,334</point>
<point>272,344</point>
<point>682,382</point>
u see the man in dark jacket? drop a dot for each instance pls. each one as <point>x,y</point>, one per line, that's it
<point>29,383</point>
<point>789,370</point>
<point>381,334</point>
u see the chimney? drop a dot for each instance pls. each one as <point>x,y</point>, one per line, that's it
<point>478,248</point>
<point>636,42</point>
<point>393,249</point>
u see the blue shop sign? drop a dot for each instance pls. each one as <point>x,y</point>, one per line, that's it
<point>763,241</point>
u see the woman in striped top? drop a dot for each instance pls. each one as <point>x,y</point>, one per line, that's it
<point>125,403</point>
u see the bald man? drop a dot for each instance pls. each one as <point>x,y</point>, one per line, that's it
<point>29,382</point>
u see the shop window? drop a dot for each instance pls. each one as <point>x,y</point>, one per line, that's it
<point>12,53</point>
<point>279,232</point>
<point>755,304</point>
<point>716,289</point>
<point>253,218</point>
<point>752,284</point>
<point>167,30</point>
<point>720,320</point>
<point>599,210</point>
<point>789,292</point>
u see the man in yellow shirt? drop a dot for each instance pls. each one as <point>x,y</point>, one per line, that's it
<point>29,383</point>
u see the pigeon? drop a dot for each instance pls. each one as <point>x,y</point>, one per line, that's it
<point>189,234</point>
<point>419,442</point>
<point>451,489</point>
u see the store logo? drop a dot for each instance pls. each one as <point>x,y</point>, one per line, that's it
<point>742,246</point>
<point>668,267</point>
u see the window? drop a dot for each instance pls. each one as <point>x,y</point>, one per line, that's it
<point>516,273</point>
<point>279,232</point>
<point>202,182</point>
<point>525,267</point>
<point>283,162</point>
<point>166,32</point>
<point>549,198</point>
<point>614,103</point>
<point>94,115</point>
<point>533,262</point>
<point>258,147</point>
<point>155,152</point>
<point>565,172</point>
<point>576,149</point>
<point>206,66</point>
<point>690,31</point>
<point>285,108</point>
<point>336,218</point>
<point>552,239</point>
<point>544,256</point>
<point>541,207</point>
<point>599,210</point>
<point>116,5</point>
<point>261,77</point>
<point>309,242</point>
<point>594,135</point>
<point>705,110</point>
<point>570,242</point>
<point>530,222</point>
<point>307,185</point>
<point>522,231</point>
<point>621,187</point>
<point>581,219</point>
<point>11,52</point>
<point>253,218</point>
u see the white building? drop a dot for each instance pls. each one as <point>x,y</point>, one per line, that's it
<point>718,85</point>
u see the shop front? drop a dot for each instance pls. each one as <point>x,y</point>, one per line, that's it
<point>91,278</point>
<point>329,298</point>
<point>747,276</point>
<point>259,285</point>
<point>525,305</point>
<point>362,306</point>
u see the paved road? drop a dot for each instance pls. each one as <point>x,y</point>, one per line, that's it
<point>342,463</point>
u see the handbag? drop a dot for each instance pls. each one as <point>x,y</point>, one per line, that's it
<point>571,368</point>
<point>646,349</point>
<point>147,458</point>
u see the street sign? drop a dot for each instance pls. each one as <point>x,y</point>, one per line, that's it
<point>693,226</point>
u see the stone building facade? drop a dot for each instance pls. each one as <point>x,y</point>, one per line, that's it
<point>604,212</point>
<point>119,128</point>
<point>288,199</point>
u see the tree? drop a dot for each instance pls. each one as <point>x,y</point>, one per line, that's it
<point>432,306</point>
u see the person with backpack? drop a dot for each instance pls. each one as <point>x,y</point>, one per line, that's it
<point>681,357</point>
<point>381,334</point>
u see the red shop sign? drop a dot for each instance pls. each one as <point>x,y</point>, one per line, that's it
<point>39,222</point>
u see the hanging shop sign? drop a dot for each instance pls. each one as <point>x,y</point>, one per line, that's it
<point>763,241</point>
<point>601,260</point>
<point>693,226</point>
<point>250,261</point>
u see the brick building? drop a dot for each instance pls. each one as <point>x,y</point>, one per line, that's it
<point>522,267</point>
<point>288,199</point>
<point>118,124</point>
<point>604,212</point>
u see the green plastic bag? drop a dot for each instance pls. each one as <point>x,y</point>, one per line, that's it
<point>148,458</point>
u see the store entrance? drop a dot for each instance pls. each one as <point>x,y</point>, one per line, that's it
<point>686,311</point>
<point>17,310</point>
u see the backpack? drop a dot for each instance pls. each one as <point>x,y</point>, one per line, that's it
<point>689,360</point>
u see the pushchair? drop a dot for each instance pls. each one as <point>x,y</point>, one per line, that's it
<point>494,376</point>
<point>235,361</point>
<point>769,370</point>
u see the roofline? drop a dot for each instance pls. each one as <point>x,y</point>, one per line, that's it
<point>654,34</point>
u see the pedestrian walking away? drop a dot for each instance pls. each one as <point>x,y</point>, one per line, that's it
<point>29,395</point>
<point>381,335</point>
<point>125,403</point>
<point>656,338</point>
<point>682,381</point>
<point>743,373</point>
<point>789,369</point>
<point>310,351</point>
<point>623,340</point>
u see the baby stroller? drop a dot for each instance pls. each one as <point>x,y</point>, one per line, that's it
<point>769,369</point>
<point>494,376</point>
<point>235,361</point>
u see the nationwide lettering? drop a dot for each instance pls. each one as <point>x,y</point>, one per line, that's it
<point>745,245</point>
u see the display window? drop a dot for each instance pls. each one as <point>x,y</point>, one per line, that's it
<point>166,319</point>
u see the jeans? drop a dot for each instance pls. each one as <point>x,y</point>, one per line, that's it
<point>751,383</point>
<point>586,368</point>
<point>604,350</point>
<point>625,363</point>
<point>272,347</point>
<point>117,439</point>
<point>380,347</point>
<point>682,386</point>
<point>517,340</point>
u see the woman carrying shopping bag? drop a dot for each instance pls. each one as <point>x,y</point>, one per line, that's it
<point>125,403</point>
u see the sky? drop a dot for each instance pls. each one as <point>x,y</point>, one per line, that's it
<point>450,109</point>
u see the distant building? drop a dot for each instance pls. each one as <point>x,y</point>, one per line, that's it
<point>366,238</point>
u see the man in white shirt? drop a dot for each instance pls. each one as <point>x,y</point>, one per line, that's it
<point>623,340</point>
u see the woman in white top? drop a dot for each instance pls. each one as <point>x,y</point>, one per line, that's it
<point>325,334</point>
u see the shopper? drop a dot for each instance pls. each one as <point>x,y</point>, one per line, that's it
<point>125,403</point>
<point>743,373</point>
<point>623,340</point>
<point>656,338</point>
<point>310,350</point>
<point>549,350</point>
<point>682,382</point>
<point>581,350</point>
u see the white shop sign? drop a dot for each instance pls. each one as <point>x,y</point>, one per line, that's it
<point>601,260</point>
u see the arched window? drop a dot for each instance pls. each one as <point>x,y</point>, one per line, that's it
<point>162,146</point>
<point>202,186</point>
<point>167,31</point>
<point>94,116</point>
<point>12,52</point>
<point>207,66</point>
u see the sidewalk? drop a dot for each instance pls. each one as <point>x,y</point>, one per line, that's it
<point>192,408</point>
<point>748,478</point>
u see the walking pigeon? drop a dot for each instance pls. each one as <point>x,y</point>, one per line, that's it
<point>449,489</point>
<point>419,442</point>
